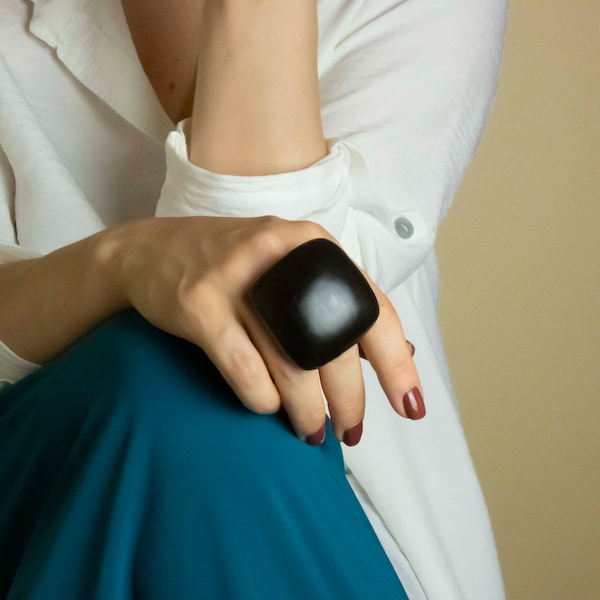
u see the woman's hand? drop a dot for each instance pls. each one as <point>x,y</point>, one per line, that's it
<point>190,277</point>
<point>256,112</point>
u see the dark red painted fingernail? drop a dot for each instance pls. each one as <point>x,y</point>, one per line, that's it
<point>412,348</point>
<point>317,438</point>
<point>352,436</point>
<point>414,407</point>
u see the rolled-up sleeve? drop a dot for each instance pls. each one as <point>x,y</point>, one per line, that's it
<point>318,193</point>
<point>9,249</point>
<point>406,90</point>
<point>12,367</point>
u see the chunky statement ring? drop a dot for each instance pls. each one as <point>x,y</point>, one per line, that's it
<point>315,302</point>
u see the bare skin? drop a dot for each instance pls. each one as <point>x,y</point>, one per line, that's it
<point>167,43</point>
<point>189,276</point>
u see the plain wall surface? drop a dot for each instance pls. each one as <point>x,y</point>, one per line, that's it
<point>520,306</point>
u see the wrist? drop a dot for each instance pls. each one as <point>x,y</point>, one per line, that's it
<point>107,252</point>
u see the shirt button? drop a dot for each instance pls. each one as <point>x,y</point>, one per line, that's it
<point>404,227</point>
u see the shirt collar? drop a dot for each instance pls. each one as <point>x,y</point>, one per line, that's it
<point>92,39</point>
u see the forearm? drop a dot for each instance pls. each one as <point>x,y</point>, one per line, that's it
<point>47,303</point>
<point>257,107</point>
<point>256,111</point>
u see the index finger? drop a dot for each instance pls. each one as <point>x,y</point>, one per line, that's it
<point>386,348</point>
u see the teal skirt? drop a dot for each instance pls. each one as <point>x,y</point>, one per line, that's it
<point>128,469</point>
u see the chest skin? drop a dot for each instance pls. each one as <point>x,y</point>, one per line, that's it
<point>167,40</point>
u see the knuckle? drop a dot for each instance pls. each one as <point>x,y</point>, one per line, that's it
<point>309,420</point>
<point>193,303</point>
<point>246,375</point>
<point>274,237</point>
<point>245,370</point>
<point>312,230</point>
<point>387,312</point>
<point>351,411</point>
<point>351,406</point>
<point>270,243</point>
<point>270,221</point>
<point>199,303</point>
<point>397,369</point>
<point>264,405</point>
<point>385,306</point>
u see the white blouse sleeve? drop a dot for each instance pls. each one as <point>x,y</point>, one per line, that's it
<point>12,367</point>
<point>7,193</point>
<point>406,89</point>
<point>9,249</point>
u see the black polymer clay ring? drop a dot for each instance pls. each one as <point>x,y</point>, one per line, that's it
<point>315,302</point>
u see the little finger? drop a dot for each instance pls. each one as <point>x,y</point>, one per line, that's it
<point>244,369</point>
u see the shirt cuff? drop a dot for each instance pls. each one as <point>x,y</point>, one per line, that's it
<point>317,193</point>
<point>328,192</point>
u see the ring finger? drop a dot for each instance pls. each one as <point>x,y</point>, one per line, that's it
<point>343,385</point>
<point>299,390</point>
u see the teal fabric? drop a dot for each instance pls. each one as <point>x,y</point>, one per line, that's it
<point>128,469</point>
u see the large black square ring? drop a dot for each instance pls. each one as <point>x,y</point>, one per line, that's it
<point>315,302</point>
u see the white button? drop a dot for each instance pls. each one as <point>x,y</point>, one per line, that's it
<point>404,227</point>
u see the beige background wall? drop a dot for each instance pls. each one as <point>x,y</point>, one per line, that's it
<point>520,308</point>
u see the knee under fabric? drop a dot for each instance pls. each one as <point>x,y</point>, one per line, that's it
<point>128,468</point>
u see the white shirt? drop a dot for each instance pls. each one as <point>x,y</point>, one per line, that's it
<point>406,88</point>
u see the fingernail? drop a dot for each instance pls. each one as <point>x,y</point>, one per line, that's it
<point>412,348</point>
<point>352,436</point>
<point>317,438</point>
<point>414,407</point>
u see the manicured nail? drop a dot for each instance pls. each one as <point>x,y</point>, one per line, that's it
<point>414,407</point>
<point>412,348</point>
<point>352,436</point>
<point>317,438</point>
